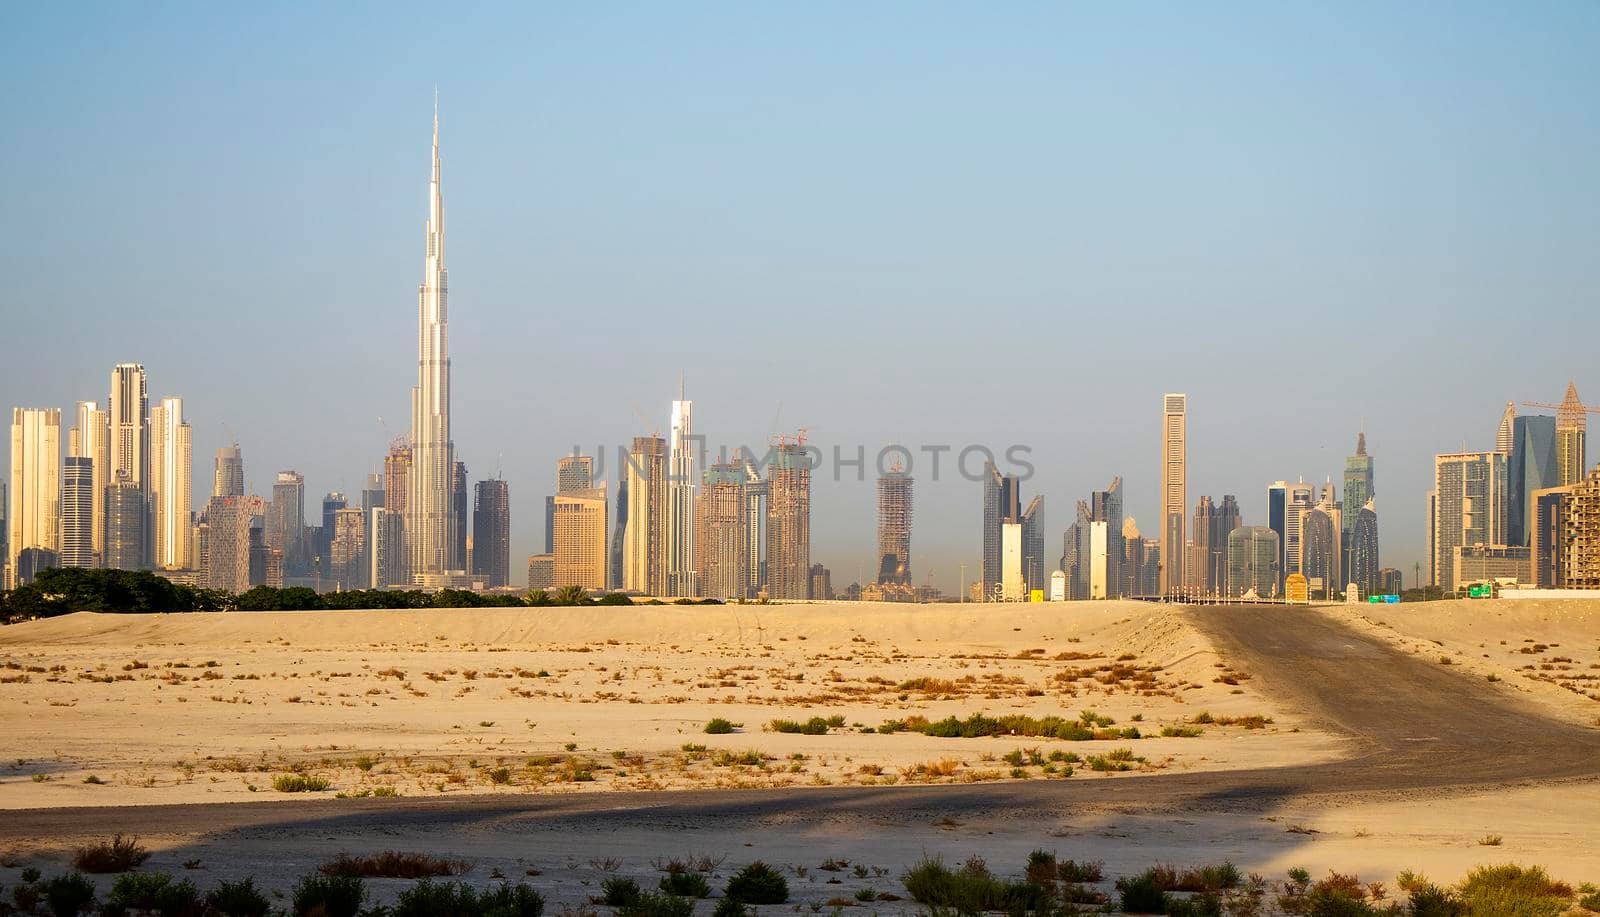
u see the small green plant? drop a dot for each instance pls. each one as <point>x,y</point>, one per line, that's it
<point>67,895</point>
<point>93,780</point>
<point>152,892</point>
<point>866,895</point>
<point>731,907</point>
<point>619,891</point>
<point>429,898</point>
<point>1142,894</point>
<point>329,896</point>
<point>239,899</point>
<point>685,885</point>
<point>1490,840</point>
<point>299,783</point>
<point>657,906</point>
<point>393,864</point>
<point>720,727</point>
<point>1181,732</point>
<point>758,883</point>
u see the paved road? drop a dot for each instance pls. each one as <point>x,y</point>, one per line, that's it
<point>1417,727</point>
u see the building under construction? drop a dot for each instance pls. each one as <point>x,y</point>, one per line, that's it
<point>789,519</point>
<point>1582,535</point>
<point>894,526</point>
<point>721,550</point>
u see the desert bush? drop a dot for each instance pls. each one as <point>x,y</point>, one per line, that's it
<point>238,899</point>
<point>1144,893</point>
<point>457,899</point>
<point>731,758</point>
<point>1428,900</point>
<point>658,906</point>
<point>1208,879</point>
<point>971,889</point>
<point>393,864</point>
<point>329,896</point>
<point>815,726</point>
<point>67,895</point>
<point>758,883</point>
<point>119,854</point>
<point>1205,904</point>
<point>685,885</point>
<point>299,783</point>
<point>152,892</point>
<point>618,891</point>
<point>731,907</point>
<point>720,727</point>
<point>1181,732</point>
<point>1087,871</point>
<point>1513,891</point>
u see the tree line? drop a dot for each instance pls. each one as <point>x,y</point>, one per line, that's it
<point>63,590</point>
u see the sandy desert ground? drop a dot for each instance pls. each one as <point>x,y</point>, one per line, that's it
<point>560,746</point>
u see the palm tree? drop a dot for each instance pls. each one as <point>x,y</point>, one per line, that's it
<point>572,595</point>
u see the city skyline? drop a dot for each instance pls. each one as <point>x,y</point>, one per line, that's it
<point>330,318</point>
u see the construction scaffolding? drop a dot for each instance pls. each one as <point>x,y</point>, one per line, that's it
<point>894,526</point>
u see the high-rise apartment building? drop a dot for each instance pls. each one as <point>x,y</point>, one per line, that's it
<point>432,527</point>
<point>460,511</point>
<point>1320,535</point>
<point>129,410</point>
<point>1252,562</point>
<point>1358,488</point>
<point>1034,576</point>
<point>1469,508</point>
<point>125,524</point>
<point>756,492</point>
<point>90,439</point>
<point>491,533</point>
<point>322,543</point>
<point>580,534</point>
<point>1013,578</point>
<point>386,551</point>
<point>1549,515</point>
<point>1571,432</point>
<point>286,523</point>
<point>619,534</point>
<point>1174,501</point>
<point>574,473</point>
<point>227,472</point>
<point>1581,564</point>
<point>347,547</point>
<point>894,526</point>
<point>1002,503</point>
<point>1504,434</point>
<point>680,483</point>
<point>541,571</point>
<point>1286,503</point>
<point>642,549</point>
<point>1531,466</point>
<point>170,486</point>
<point>1105,506</point>
<point>789,520</point>
<point>1365,563</point>
<point>719,536</point>
<point>228,525</point>
<point>77,512</point>
<point>33,520</point>
<point>1208,548</point>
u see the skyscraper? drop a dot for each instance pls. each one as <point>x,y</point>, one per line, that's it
<point>389,530</point>
<point>1174,489</point>
<point>1358,489</point>
<point>574,473</point>
<point>34,519</point>
<point>1105,506</point>
<point>1363,550</point>
<point>77,512</point>
<point>642,553</point>
<point>1571,430</point>
<point>91,439</point>
<point>789,520</point>
<point>580,534</point>
<point>894,526</point>
<point>227,473</point>
<point>1252,562</point>
<point>1033,565</point>
<point>129,409</point>
<point>1532,466</point>
<point>1469,501</point>
<point>228,521</point>
<point>755,531</point>
<point>619,534</point>
<point>322,548</point>
<point>719,532</point>
<point>1296,498</point>
<point>170,485</point>
<point>125,523</point>
<point>1002,503</point>
<point>491,533</point>
<point>1320,531</point>
<point>430,508</point>
<point>460,509</point>
<point>1504,433</point>
<point>286,516</point>
<point>347,547</point>
<point>680,484</point>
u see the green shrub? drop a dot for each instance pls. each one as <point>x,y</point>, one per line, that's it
<point>685,885</point>
<point>67,895</point>
<point>970,890</point>
<point>154,892</point>
<point>758,883</point>
<point>1087,871</point>
<point>730,907</point>
<point>815,726</point>
<point>719,727</point>
<point>239,899</point>
<point>1513,891</point>
<point>507,900</point>
<point>299,783</point>
<point>116,855</point>
<point>329,896</point>
<point>618,891</point>
<point>1209,879</point>
<point>1181,732</point>
<point>1428,900</point>
<point>428,898</point>
<point>657,906</point>
<point>393,864</point>
<point>1205,904</point>
<point>1143,894</point>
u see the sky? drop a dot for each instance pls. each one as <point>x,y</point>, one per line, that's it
<point>929,224</point>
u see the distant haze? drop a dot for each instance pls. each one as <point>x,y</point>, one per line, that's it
<point>901,222</point>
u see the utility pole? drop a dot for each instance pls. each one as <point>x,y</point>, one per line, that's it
<point>962,595</point>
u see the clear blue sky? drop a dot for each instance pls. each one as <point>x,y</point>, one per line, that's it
<point>950,223</point>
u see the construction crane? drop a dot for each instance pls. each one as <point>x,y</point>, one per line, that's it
<point>1570,412</point>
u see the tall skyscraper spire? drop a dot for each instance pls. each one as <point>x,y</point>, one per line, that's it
<point>429,504</point>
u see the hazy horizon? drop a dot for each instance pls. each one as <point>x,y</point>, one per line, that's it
<point>897,224</point>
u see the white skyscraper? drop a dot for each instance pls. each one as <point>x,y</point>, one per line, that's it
<point>34,518</point>
<point>680,501</point>
<point>170,485</point>
<point>129,467</point>
<point>91,439</point>
<point>1174,489</point>
<point>430,510</point>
